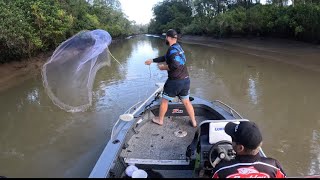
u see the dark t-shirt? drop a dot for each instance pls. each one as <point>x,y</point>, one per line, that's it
<point>176,61</point>
<point>249,166</point>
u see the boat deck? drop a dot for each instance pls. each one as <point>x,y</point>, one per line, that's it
<point>160,142</point>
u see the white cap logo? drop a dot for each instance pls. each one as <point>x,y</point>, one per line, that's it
<point>236,128</point>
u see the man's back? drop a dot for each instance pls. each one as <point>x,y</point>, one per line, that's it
<point>176,60</point>
<point>249,166</point>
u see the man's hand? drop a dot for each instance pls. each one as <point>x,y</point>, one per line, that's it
<point>163,67</point>
<point>148,62</point>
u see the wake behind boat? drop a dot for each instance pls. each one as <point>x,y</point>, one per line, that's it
<point>174,150</point>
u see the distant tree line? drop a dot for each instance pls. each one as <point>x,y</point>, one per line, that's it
<point>296,19</point>
<point>28,27</point>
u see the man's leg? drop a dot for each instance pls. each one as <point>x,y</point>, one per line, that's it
<point>184,96</point>
<point>190,110</point>
<point>168,95</point>
<point>162,112</point>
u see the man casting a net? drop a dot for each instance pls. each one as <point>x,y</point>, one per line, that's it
<point>178,82</point>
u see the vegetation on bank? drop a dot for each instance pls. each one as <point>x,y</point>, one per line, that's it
<point>228,18</point>
<point>28,27</point>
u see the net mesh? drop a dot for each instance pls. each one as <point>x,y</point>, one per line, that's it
<point>69,74</point>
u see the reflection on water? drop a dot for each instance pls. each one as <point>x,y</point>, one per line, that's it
<point>252,89</point>
<point>33,96</point>
<point>315,149</point>
<point>282,99</point>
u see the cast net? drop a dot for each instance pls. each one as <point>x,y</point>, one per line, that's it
<point>69,74</point>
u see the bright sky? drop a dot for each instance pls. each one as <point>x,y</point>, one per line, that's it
<point>138,10</point>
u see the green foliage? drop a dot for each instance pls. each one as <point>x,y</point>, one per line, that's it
<point>51,22</point>
<point>170,14</point>
<point>232,22</point>
<point>17,35</point>
<point>30,26</point>
<point>223,18</point>
<point>305,22</point>
<point>194,28</point>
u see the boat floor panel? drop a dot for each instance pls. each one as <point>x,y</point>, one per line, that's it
<point>160,142</point>
<point>174,174</point>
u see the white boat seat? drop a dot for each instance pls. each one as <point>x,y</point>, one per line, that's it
<point>217,133</point>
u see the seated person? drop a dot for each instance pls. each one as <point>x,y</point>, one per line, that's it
<point>246,141</point>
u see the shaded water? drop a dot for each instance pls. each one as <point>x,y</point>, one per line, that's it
<point>37,139</point>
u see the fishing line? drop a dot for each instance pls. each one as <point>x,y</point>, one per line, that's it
<point>114,58</point>
<point>150,71</point>
<point>139,95</point>
<point>147,92</point>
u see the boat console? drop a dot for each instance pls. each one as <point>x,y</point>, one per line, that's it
<point>214,145</point>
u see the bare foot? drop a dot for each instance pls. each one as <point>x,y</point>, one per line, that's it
<point>157,121</point>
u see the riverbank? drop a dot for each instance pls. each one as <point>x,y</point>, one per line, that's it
<point>304,55</point>
<point>16,72</point>
<point>301,54</point>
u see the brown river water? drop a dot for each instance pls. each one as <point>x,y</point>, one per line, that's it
<point>38,139</point>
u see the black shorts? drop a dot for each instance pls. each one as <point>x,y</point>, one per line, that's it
<point>179,87</point>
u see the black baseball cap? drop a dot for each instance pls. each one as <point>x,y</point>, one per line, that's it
<point>246,133</point>
<point>172,33</point>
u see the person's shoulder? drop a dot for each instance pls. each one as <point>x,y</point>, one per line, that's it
<point>268,158</point>
<point>173,49</point>
<point>224,164</point>
<point>271,161</point>
<point>177,45</point>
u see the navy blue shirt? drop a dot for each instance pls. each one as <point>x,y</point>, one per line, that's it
<point>176,61</point>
